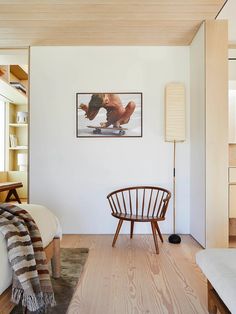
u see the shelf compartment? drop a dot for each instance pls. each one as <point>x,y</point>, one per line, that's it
<point>11,94</point>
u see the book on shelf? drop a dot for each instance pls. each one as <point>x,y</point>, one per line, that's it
<point>13,140</point>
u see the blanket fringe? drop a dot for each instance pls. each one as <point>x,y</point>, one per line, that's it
<point>33,302</point>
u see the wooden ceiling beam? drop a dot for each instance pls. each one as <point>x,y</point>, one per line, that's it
<point>149,26</point>
<point>17,26</point>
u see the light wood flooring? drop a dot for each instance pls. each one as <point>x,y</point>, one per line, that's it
<point>132,279</point>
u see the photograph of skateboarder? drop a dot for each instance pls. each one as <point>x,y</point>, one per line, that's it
<point>117,114</point>
<point>110,111</point>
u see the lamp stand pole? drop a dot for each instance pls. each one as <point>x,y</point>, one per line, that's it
<point>174,238</point>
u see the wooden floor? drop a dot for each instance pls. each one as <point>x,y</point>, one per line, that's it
<point>131,279</point>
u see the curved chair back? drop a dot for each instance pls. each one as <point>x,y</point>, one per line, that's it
<point>147,202</point>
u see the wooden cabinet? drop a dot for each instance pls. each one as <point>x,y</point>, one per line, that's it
<point>232,115</point>
<point>14,89</point>
<point>232,201</point>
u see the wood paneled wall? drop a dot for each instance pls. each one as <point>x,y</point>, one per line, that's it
<point>209,135</point>
<point>216,39</point>
<point>103,22</point>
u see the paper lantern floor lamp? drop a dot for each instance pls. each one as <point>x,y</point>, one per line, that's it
<point>175,126</point>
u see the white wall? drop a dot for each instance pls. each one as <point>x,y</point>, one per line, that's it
<point>73,176</point>
<point>198,138</point>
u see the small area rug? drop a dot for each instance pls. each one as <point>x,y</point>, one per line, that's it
<point>72,264</point>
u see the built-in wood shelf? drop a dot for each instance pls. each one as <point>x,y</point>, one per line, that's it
<point>18,148</point>
<point>19,72</point>
<point>18,125</point>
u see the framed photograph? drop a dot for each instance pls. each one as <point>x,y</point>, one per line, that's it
<point>109,114</point>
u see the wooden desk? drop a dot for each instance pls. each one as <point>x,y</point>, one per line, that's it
<point>11,188</point>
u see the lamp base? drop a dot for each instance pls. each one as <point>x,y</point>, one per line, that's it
<point>174,238</point>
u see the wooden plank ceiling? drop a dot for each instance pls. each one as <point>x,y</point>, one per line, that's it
<point>102,22</point>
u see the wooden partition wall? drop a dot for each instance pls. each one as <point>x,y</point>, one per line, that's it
<point>209,134</point>
<point>216,39</point>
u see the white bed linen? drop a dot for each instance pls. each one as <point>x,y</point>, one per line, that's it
<point>49,228</point>
<point>219,266</point>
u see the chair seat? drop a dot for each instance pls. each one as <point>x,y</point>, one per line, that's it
<point>138,218</point>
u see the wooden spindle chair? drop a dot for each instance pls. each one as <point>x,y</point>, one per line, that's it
<point>140,204</point>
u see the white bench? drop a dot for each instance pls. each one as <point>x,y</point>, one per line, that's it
<point>219,267</point>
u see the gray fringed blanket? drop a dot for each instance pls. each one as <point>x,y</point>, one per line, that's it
<point>31,281</point>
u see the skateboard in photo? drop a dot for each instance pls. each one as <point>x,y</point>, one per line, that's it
<point>98,129</point>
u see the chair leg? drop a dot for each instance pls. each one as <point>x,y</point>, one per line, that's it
<point>155,236</point>
<point>117,232</point>
<point>159,231</point>
<point>131,229</point>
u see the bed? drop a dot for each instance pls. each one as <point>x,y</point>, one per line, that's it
<point>219,267</point>
<point>50,230</point>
